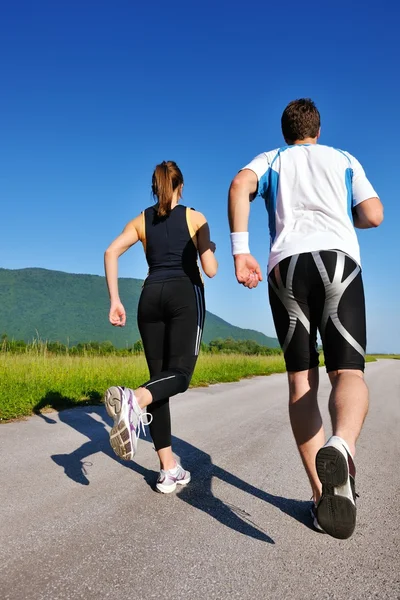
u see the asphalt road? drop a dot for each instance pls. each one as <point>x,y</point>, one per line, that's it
<point>77,523</point>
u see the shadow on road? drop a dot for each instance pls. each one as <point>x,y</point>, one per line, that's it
<point>92,422</point>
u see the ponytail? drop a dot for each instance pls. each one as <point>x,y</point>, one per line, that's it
<point>166,178</point>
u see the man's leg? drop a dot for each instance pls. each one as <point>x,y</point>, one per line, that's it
<point>296,326</point>
<point>348,405</point>
<point>306,421</point>
<point>343,334</point>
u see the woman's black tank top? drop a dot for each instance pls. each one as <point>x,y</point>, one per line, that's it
<point>169,247</point>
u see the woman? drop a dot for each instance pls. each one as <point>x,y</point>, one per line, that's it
<point>171,315</point>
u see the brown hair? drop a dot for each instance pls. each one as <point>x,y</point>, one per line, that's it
<point>300,120</point>
<point>166,178</point>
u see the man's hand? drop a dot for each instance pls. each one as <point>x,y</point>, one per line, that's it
<point>117,315</point>
<point>247,270</point>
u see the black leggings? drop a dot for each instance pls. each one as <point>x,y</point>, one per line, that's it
<point>170,319</point>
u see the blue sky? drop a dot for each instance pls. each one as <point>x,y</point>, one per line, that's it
<point>95,94</point>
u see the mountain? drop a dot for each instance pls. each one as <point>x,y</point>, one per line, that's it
<point>68,308</point>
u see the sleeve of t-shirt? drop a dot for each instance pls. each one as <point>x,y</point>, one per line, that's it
<point>361,187</point>
<point>259,165</point>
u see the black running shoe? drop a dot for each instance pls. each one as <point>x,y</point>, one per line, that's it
<point>313,513</point>
<point>336,510</point>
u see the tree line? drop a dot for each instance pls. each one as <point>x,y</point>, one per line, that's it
<point>37,346</point>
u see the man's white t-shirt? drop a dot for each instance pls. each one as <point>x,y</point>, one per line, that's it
<point>309,191</point>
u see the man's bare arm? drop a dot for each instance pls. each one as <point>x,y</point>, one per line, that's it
<point>368,214</point>
<point>241,192</point>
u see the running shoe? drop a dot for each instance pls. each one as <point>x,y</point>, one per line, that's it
<point>123,408</point>
<point>336,510</point>
<point>313,511</point>
<point>168,480</point>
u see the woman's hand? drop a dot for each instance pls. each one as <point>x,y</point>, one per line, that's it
<point>117,315</point>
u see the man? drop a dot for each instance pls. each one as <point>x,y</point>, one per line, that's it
<point>315,196</point>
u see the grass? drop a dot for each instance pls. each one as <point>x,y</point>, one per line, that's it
<point>31,383</point>
<point>370,358</point>
<point>34,382</point>
<point>395,356</point>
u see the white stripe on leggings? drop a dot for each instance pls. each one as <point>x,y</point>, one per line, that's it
<point>158,380</point>
<point>200,318</point>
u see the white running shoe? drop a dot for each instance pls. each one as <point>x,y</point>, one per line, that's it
<point>123,408</point>
<point>336,509</point>
<point>168,480</point>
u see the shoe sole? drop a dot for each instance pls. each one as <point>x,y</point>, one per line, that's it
<point>336,514</point>
<point>119,435</point>
<point>171,488</point>
<point>112,401</point>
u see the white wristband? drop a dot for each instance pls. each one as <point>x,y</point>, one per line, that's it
<point>240,243</point>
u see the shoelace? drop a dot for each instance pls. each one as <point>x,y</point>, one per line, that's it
<point>143,423</point>
<point>143,415</point>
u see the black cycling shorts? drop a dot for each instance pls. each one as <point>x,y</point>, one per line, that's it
<point>319,291</point>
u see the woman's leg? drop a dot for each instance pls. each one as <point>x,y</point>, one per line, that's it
<point>152,330</point>
<point>160,426</point>
<point>170,317</point>
<point>184,309</point>
<point>184,304</point>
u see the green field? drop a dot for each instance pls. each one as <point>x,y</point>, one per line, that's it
<point>34,382</point>
<point>395,356</point>
<point>30,383</point>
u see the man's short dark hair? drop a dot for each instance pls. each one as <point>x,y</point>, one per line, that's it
<point>300,120</point>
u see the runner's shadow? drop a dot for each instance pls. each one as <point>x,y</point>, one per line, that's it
<point>92,422</point>
<point>199,493</point>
